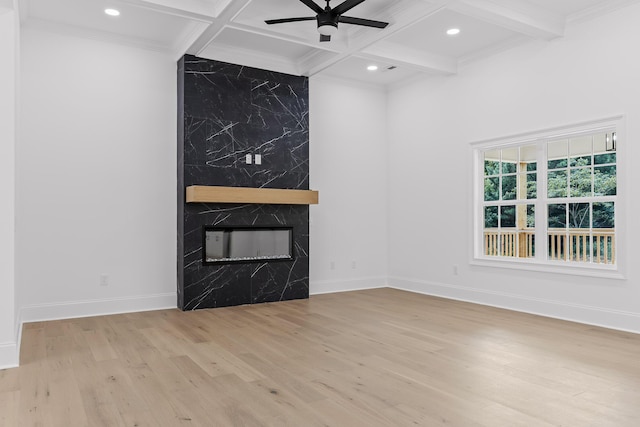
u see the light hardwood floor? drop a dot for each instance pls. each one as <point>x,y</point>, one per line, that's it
<point>369,358</point>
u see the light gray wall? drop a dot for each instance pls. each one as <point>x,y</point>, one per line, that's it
<point>590,73</point>
<point>96,178</point>
<point>348,133</point>
<point>8,79</point>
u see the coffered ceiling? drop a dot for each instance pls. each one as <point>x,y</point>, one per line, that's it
<point>414,43</point>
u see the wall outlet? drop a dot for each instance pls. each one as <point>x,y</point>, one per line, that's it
<point>353,265</point>
<point>247,159</point>
<point>104,280</point>
<point>332,265</point>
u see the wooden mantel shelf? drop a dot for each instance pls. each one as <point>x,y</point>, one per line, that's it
<point>273,196</point>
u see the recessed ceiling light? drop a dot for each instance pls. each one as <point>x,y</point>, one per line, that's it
<point>112,12</point>
<point>453,31</point>
<point>372,67</point>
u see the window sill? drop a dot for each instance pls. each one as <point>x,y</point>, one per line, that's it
<point>574,269</point>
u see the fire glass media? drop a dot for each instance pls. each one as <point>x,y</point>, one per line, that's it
<point>247,244</point>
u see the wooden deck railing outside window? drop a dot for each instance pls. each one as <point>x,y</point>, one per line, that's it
<point>573,244</point>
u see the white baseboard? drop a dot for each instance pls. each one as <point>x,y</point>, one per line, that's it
<point>98,307</point>
<point>10,351</point>
<point>9,356</point>
<point>590,315</point>
<point>317,287</point>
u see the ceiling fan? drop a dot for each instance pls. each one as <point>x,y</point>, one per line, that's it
<point>328,18</point>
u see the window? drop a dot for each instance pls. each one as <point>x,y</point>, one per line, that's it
<point>550,199</point>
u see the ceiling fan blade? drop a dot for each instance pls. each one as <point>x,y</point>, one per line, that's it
<point>324,38</point>
<point>345,6</point>
<point>363,22</point>
<point>285,20</point>
<point>312,5</point>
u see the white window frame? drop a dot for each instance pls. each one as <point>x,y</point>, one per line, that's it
<point>540,262</point>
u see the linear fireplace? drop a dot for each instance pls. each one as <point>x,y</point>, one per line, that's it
<point>246,244</point>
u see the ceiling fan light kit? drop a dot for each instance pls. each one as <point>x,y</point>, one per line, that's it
<point>328,29</point>
<point>328,18</point>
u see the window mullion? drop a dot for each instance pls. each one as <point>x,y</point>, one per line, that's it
<point>541,203</point>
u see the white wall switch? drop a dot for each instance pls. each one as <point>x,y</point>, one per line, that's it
<point>247,159</point>
<point>258,158</point>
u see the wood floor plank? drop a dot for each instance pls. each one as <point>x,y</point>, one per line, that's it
<point>371,358</point>
<point>33,393</point>
<point>99,345</point>
<point>64,404</point>
<point>9,380</point>
<point>165,410</point>
<point>9,408</point>
<point>344,413</point>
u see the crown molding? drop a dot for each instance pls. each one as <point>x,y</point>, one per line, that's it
<point>91,34</point>
<point>600,9</point>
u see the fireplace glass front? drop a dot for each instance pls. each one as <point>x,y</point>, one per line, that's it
<point>247,244</point>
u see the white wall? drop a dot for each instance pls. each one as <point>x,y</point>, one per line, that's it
<point>349,168</point>
<point>96,178</point>
<point>591,73</point>
<point>8,64</point>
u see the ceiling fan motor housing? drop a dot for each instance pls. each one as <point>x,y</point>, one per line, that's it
<point>327,18</point>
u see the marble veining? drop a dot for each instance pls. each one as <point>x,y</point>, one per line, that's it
<point>227,112</point>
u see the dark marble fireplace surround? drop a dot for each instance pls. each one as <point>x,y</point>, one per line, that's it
<point>225,112</point>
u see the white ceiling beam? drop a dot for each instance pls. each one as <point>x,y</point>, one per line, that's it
<point>402,15</point>
<point>228,54</point>
<point>516,15</point>
<point>193,31</point>
<point>334,47</point>
<point>316,59</point>
<point>251,58</point>
<point>190,9</point>
<point>225,17</point>
<point>409,58</point>
<point>221,5</point>
<point>200,13</point>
